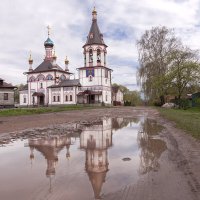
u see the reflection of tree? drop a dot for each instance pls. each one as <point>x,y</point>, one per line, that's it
<point>151,148</point>
<point>119,123</point>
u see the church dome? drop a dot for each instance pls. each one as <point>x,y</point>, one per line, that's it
<point>48,43</point>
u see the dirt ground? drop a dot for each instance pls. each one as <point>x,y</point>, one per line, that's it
<point>178,177</point>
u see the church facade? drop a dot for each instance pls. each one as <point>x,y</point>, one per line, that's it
<point>50,84</point>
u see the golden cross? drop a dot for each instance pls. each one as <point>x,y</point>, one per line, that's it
<point>48,27</point>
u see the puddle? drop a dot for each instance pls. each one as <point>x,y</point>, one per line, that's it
<point>79,161</point>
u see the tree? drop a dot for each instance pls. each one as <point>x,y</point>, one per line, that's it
<point>133,97</point>
<point>184,70</point>
<point>122,88</point>
<point>155,56</point>
<point>19,87</point>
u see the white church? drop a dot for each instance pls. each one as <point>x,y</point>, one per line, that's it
<point>50,84</point>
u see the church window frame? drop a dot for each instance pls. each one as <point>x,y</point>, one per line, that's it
<point>40,77</point>
<point>70,97</point>
<point>91,35</point>
<point>90,55</point>
<point>32,79</point>
<point>58,98</point>
<point>98,55</point>
<point>90,78</point>
<point>106,73</point>
<point>54,98</point>
<point>41,85</point>
<point>49,77</point>
<point>62,77</point>
<point>5,96</point>
<point>105,58</point>
<point>66,98</point>
<point>24,99</point>
<point>90,72</point>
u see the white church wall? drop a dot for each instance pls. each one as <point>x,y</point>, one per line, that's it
<point>23,98</point>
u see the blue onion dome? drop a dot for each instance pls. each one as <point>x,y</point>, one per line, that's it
<point>48,43</point>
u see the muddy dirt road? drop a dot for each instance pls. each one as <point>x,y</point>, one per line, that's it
<point>178,174</point>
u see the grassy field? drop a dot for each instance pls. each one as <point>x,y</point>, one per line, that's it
<point>188,120</point>
<point>40,110</point>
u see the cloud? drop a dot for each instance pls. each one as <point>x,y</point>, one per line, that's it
<point>23,28</point>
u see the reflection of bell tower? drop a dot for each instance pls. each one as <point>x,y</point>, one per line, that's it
<point>95,140</point>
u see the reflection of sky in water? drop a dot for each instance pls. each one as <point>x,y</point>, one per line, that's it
<point>22,178</point>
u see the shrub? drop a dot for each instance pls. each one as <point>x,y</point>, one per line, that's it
<point>197,102</point>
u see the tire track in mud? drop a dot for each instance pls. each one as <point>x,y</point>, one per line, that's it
<point>182,164</point>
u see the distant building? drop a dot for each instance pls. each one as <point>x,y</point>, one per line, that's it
<point>50,84</point>
<point>6,94</point>
<point>117,96</point>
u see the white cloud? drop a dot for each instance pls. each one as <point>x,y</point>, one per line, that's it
<point>23,28</point>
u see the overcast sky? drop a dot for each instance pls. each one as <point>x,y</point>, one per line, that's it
<point>23,28</point>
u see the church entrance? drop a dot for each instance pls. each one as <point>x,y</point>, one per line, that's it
<point>40,98</point>
<point>91,99</point>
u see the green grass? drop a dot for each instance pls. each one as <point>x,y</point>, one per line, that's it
<point>40,110</point>
<point>188,120</point>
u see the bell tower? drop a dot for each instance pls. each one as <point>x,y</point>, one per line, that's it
<point>94,48</point>
<point>95,76</point>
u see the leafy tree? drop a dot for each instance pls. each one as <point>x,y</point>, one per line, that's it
<point>122,88</point>
<point>155,56</point>
<point>19,87</point>
<point>184,70</point>
<point>133,97</point>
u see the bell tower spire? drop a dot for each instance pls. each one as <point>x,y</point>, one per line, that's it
<point>94,14</point>
<point>95,48</point>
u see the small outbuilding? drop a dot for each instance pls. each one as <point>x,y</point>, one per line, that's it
<point>117,96</point>
<point>6,94</point>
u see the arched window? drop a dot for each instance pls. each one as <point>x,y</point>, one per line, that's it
<point>70,97</point>
<point>104,58</point>
<point>62,77</point>
<point>31,79</point>
<point>49,77</point>
<point>90,56</point>
<point>98,55</point>
<point>66,98</point>
<point>40,77</point>
<point>85,59</point>
<point>90,78</point>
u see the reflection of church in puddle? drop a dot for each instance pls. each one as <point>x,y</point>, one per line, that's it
<point>50,147</point>
<point>94,139</point>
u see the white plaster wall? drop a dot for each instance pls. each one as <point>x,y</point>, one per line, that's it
<point>102,134</point>
<point>35,85</point>
<point>120,96</point>
<point>98,79</point>
<point>62,92</point>
<point>23,94</point>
